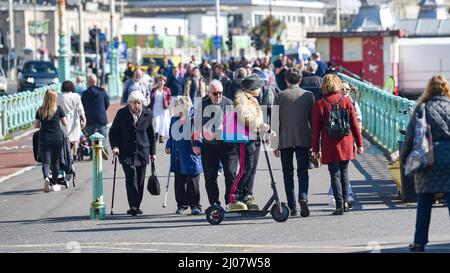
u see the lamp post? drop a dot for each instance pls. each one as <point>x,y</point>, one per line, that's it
<point>63,60</point>
<point>12,44</point>
<point>218,50</point>
<point>81,37</point>
<point>113,80</point>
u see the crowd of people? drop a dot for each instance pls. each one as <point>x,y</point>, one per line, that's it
<point>319,120</point>
<point>175,94</point>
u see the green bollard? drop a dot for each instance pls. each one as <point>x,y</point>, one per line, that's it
<point>97,205</point>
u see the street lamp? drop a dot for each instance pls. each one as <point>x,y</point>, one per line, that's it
<point>63,60</point>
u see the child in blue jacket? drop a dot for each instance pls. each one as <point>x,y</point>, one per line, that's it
<point>186,165</point>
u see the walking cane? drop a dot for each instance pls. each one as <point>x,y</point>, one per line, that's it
<point>167,189</point>
<point>114,183</point>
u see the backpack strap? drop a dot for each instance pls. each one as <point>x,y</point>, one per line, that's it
<point>334,105</point>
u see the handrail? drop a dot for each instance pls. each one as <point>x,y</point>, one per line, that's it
<point>17,111</point>
<point>384,114</point>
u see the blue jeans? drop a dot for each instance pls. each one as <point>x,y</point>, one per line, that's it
<point>351,195</point>
<point>424,204</point>
<point>101,129</point>
<point>287,162</point>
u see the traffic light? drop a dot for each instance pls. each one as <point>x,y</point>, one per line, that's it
<point>256,41</point>
<point>93,38</point>
<point>230,41</point>
<point>75,42</point>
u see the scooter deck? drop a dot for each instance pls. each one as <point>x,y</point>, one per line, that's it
<point>246,213</point>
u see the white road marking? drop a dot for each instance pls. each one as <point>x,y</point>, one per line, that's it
<point>19,172</point>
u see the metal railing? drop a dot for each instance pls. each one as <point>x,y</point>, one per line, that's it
<point>384,114</point>
<point>17,111</point>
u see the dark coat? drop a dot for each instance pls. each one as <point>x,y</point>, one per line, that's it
<point>135,142</point>
<point>436,178</point>
<point>334,149</point>
<point>176,85</point>
<point>167,96</point>
<point>182,158</point>
<point>95,103</point>
<point>322,68</point>
<point>313,83</point>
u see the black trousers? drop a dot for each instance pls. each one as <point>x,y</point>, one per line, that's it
<point>339,181</point>
<point>135,181</point>
<point>187,191</point>
<point>251,157</point>
<point>50,153</point>
<point>212,154</point>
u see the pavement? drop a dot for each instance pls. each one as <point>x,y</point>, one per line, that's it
<point>34,221</point>
<point>16,155</point>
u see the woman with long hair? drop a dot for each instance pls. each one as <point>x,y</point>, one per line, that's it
<point>436,178</point>
<point>48,119</point>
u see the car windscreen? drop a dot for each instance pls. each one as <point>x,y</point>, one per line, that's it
<point>39,68</point>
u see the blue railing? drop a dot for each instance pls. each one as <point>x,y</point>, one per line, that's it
<point>384,114</point>
<point>17,111</point>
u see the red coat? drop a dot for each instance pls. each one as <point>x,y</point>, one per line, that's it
<point>334,149</point>
<point>167,97</point>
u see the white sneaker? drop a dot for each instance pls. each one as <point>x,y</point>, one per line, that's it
<point>331,201</point>
<point>56,187</point>
<point>47,185</point>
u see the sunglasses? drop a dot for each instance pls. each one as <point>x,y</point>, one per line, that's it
<point>216,93</point>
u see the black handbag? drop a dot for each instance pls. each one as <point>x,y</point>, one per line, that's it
<point>153,183</point>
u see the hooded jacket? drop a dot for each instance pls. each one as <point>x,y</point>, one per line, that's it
<point>95,102</point>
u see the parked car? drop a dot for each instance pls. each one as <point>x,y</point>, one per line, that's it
<point>36,74</point>
<point>3,81</point>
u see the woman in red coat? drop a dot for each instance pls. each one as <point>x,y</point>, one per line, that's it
<point>335,151</point>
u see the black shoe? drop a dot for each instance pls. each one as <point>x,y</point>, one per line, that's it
<point>133,212</point>
<point>139,211</point>
<point>416,248</point>
<point>293,212</point>
<point>338,212</point>
<point>304,210</point>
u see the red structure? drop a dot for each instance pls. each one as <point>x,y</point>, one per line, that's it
<point>373,55</point>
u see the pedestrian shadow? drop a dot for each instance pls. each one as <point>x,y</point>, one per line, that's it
<point>24,192</point>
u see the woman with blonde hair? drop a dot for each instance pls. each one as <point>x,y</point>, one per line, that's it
<point>48,119</point>
<point>436,178</point>
<point>335,150</point>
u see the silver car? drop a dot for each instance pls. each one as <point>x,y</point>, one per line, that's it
<point>3,81</point>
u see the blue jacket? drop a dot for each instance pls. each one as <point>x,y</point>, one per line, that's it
<point>182,157</point>
<point>176,85</point>
<point>95,103</point>
<point>322,68</point>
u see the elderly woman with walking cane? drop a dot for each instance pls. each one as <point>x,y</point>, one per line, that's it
<point>132,139</point>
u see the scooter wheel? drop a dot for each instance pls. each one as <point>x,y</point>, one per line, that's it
<point>215,214</point>
<point>280,216</point>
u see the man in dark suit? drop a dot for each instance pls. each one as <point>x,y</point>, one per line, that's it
<point>132,139</point>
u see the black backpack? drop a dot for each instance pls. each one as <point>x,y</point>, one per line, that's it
<point>338,120</point>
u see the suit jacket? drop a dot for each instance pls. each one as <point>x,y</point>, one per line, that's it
<point>135,141</point>
<point>296,109</point>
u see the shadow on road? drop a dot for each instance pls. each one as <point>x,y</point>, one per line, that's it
<point>24,192</point>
